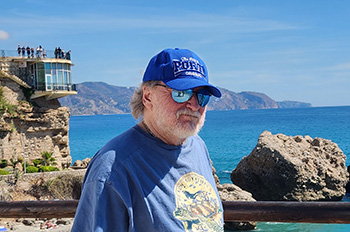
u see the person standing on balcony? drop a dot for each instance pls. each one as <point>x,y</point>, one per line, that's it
<point>19,50</point>
<point>56,52</point>
<point>157,176</point>
<point>68,55</point>
<point>23,51</point>
<point>32,51</point>
<point>59,52</point>
<point>28,51</point>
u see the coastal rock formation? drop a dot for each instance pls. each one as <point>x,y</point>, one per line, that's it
<point>347,188</point>
<point>231,192</point>
<point>81,164</point>
<point>30,127</point>
<point>293,168</point>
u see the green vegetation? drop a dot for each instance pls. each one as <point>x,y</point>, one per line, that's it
<point>46,159</point>
<point>3,163</point>
<point>17,174</point>
<point>48,169</point>
<point>4,172</point>
<point>32,169</point>
<point>5,106</point>
<point>43,164</point>
<point>37,162</point>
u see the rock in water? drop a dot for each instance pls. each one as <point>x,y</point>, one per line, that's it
<point>231,192</point>
<point>293,168</point>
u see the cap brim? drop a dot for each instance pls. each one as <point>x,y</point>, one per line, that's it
<point>191,83</point>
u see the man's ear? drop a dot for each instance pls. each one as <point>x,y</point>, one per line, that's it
<point>147,97</point>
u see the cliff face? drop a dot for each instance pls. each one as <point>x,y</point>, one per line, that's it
<point>28,129</point>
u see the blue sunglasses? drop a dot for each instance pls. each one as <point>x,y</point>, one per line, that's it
<point>181,96</point>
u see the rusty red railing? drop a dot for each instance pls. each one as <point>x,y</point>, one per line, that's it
<point>260,211</point>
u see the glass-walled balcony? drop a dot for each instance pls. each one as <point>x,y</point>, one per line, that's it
<point>49,76</point>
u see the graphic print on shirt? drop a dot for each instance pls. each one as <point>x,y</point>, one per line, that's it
<point>197,205</point>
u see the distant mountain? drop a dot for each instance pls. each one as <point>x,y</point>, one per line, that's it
<point>241,101</point>
<point>101,98</point>
<point>98,98</point>
<point>293,104</point>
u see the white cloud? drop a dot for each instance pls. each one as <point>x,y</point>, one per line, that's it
<point>203,22</point>
<point>340,67</point>
<point>4,35</point>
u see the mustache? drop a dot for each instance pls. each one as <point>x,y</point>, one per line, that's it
<point>188,112</point>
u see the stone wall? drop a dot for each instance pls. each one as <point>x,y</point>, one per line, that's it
<point>36,126</point>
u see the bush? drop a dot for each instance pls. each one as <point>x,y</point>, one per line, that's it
<point>48,169</point>
<point>32,169</point>
<point>37,162</point>
<point>47,158</point>
<point>4,172</point>
<point>3,163</point>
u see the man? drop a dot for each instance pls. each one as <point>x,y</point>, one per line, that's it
<point>157,176</point>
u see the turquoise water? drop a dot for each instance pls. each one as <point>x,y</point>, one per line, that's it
<point>231,135</point>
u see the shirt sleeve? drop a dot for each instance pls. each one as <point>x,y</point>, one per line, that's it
<point>100,209</point>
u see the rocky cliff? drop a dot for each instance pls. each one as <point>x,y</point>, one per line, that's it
<point>293,168</point>
<point>30,127</point>
<point>101,98</point>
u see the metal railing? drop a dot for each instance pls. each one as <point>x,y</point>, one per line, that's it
<point>287,211</point>
<point>47,54</point>
<point>241,211</point>
<point>55,87</point>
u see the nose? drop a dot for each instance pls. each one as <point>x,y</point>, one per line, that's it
<point>192,103</point>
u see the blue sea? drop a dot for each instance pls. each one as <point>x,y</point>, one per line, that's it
<point>231,135</point>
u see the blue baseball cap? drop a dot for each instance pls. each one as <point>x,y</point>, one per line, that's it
<point>180,69</point>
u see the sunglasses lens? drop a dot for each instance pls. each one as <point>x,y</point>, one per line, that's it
<point>185,95</point>
<point>181,96</point>
<point>203,99</point>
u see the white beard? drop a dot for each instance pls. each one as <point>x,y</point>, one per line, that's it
<point>182,129</point>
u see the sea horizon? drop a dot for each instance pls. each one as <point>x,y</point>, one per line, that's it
<point>86,141</point>
<point>223,110</point>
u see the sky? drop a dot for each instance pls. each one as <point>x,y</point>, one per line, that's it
<point>290,50</point>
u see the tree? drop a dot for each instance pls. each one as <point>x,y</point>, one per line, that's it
<point>47,158</point>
